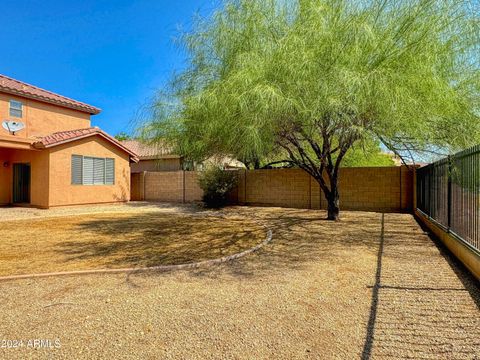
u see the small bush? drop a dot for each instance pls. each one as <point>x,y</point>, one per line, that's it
<point>216,184</point>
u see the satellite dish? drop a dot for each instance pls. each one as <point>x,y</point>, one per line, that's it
<point>12,126</point>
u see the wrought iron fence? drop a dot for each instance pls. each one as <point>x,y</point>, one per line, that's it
<point>448,191</point>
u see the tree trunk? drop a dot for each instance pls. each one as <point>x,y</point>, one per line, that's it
<point>332,196</point>
<point>333,201</point>
<point>333,207</point>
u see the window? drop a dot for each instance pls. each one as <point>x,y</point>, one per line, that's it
<point>88,170</point>
<point>16,108</point>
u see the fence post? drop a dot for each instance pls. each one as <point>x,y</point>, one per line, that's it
<point>400,185</point>
<point>245,186</point>
<point>238,187</point>
<point>309,191</point>
<point>183,186</point>
<point>144,186</point>
<point>449,192</point>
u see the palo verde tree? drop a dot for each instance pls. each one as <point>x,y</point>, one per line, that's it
<point>309,80</point>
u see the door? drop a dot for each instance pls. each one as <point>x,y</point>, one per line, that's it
<point>21,183</point>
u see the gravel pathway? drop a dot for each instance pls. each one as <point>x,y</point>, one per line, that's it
<point>18,213</point>
<point>307,295</point>
<point>426,307</point>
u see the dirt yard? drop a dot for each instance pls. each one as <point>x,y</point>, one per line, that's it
<point>121,240</point>
<point>370,286</point>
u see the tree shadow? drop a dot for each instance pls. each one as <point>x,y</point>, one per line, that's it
<point>154,238</point>
<point>421,299</point>
<point>367,347</point>
<point>151,239</point>
<point>469,282</point>
<point>300,237</point>
<point>184,208</point>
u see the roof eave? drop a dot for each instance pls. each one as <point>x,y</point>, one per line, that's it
<point>92,110</point>
<point>12,142</point>
<point>159,157</point>
<point>134,157</point>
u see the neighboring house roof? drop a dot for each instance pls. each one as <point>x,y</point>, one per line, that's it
<point>163,151</point>
<point>16,87</point>
<point>421,164</point>
<point>225,161</point>
<point>149,152</point>
<point>63,137</point>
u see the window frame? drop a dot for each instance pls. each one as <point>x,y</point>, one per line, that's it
<point>13,106</point>
<point>94,160</point>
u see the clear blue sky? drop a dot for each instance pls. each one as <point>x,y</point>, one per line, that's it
<point>110,54</point>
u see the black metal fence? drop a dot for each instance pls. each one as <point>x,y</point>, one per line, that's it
<point>448,191</point>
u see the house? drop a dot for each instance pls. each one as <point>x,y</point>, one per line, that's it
<point>50,155</point>
<point>161,157</point>
<point>153,157</point>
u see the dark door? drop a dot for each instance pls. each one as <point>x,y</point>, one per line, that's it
<point>21,183</point>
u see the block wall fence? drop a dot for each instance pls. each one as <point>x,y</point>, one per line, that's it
<point>366,188</point>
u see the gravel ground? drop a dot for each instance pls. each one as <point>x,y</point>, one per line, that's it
<point>122,240</point>
<point>315,292</point>
<point>9,213</point>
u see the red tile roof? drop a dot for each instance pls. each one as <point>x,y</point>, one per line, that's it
<point>63,137</point>
<point>16,87</point>
<point>147,151</point>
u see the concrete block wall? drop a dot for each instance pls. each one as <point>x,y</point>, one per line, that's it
<point>282,187</point>
<point>376,188</point>
<point>373,189</point>
<point>164,186</point>
<point>192,190</point>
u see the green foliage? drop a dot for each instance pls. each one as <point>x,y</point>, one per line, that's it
<point>403,72</point>
<point>358,158</point>
<point>369,154</point>
<point>121,136</point>
<point>216,184</point>
<point>310,80</point>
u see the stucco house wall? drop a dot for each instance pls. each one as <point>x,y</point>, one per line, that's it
<point>4,180</point>
<point>41,119</point>
<point>39,167</point>
<point>51,174</point>
<point>55,128</point>
<point>61,190</point>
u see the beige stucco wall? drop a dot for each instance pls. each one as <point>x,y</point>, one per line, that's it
<point>51,174</point>
<point>173,164</point>
<point>51,168</point>
<point>4,179</point>
<point>39,165</point>
<point>41,118</point>
<point>62,192</point>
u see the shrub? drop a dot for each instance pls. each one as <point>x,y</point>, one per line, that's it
<point>216,184</point>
